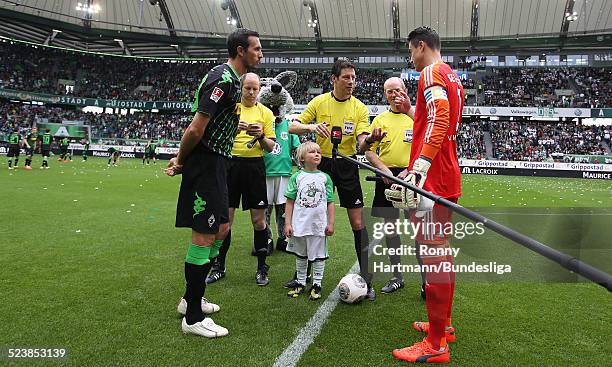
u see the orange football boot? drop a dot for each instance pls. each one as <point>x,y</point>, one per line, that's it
<point>422,352</point>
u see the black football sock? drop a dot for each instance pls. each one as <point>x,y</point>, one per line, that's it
<point>361,250</point>
<point>227,241</point>
<point>195,277</point>
<point>260,240</point>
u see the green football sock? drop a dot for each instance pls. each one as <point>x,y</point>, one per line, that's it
<point>214,249</point>
<point>198,255</point>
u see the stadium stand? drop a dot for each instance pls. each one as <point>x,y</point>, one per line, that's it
<point>34,69</point>
<point>529,87</point>
<point>511,140</point>
<point>533,141</point>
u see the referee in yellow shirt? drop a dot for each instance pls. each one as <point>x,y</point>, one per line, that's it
<point>246,180</point>
<point>340,108</point>
<point>387,148</point>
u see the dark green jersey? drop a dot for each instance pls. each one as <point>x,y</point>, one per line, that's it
<point>217,97</point>
<point>32,140</point>
<point>112,150</point>
<point>151,147</point>
<point>64,143</point>
<point>14,139</point>
<point>46,140</point>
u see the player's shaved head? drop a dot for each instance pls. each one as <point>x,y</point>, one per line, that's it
<point>394,83</point>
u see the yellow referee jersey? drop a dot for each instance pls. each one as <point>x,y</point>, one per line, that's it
<point>351,115</point>
<point>394,149</point>
<point>258,114</point>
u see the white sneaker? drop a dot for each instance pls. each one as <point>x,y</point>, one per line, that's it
<point>207,307</point>
<point>206,327</point>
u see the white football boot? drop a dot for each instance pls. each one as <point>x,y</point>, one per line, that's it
<point>206,327</point>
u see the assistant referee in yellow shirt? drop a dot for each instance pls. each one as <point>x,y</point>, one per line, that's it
<point>387,148</point>
<point>246,180</point>
<point>340,108</point>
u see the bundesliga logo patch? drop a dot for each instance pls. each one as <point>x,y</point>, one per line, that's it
<point>216,94</point>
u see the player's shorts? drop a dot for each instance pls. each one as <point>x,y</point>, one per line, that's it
<point>150,154</point>
<point>13,151</point>
<point>29,152</point>
<point>345,177</point>
<point>381,207</point>
<point>276,187</point>
<point>45,152</point>
<point>312,248</point>
<point>246,180</point>
<point>202,203</point>
<point>436,225</point>
<point>63,150</point>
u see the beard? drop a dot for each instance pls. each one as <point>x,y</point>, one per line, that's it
<point>250,67</point>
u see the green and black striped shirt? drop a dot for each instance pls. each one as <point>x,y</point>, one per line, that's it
<point>218,97</point>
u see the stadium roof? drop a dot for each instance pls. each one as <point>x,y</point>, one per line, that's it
<point>198,27</point>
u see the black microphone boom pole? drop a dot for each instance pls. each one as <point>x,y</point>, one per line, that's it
<point>570,263</point>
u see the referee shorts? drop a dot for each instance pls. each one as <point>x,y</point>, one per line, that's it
<point>345,177</point>
<point>202,203</point>
<point>381,207</point>
<point>246,183</point>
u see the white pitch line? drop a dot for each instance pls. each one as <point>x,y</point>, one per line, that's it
<point>292,354</point>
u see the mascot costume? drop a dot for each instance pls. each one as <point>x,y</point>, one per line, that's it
<point>274,94</point>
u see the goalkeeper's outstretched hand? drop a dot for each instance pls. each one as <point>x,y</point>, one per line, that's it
<point>404,198</point>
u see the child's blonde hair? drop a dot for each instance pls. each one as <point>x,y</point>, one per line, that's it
<point>304,148</point>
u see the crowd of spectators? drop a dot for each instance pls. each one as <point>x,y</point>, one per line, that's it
<point>470,141</point>
<point>511,140</point>
<point>594,86</point>
<point>538,141</point>
<point>581,87</point>
<point>52,71</point>
<point>142,126</point>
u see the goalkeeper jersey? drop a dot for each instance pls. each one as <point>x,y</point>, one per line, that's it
<point>437,116</point>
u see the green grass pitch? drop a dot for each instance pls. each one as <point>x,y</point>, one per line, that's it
<point>90,260</point>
